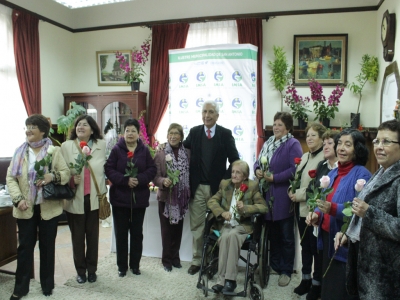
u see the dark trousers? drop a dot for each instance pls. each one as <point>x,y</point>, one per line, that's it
<point>171,236</point>
<point>128,220</point>
<point>309,251</point>
<point>85,228</point>
<point>27,236</point>
<point>282,245</point>
<point>334,282</point>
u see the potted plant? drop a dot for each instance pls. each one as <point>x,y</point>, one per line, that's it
<point>298,105</point>
<point>369,72</point>
<point>66,123</point>
<point>280,74</point>
<point>134,74</point>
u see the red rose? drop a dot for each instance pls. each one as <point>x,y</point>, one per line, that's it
<point>243,188</point>
<point>297,160</point>
<point>82,144</point>
<point>312,173</point>
<point>130,154</point>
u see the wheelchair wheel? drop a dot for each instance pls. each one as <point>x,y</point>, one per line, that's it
<point>213,265</point>
<point>263,258</point>
<point>204,282</point>
<point>256,292</point>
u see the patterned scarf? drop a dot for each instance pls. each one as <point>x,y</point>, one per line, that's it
<point>270,146</point>
<point>18,160</point>
<point>176,206</point>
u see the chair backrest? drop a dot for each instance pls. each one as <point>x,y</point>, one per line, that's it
<point>4,164</point>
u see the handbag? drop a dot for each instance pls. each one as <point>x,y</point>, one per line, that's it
<point>53,191</point>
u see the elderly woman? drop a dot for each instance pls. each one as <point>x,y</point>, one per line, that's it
<point>374,260</point>
<point>224,205</point>
<point>309,161</point>
<point>352,156</point>
<point>173,199</point>
<point>279,152</point>
<point>129,194</point>
<point>37,218</point>
<point>83,210</point>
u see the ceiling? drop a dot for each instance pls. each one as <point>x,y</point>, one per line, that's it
<point>148,12</point>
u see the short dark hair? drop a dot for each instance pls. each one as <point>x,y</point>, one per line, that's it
<point>321,129</point>
<point>286,119</point>
<point>132,122</point>
<point>330,134</point>
<point>177,127</point>
<point>41,122</point>
<point>360,149</point>
<point>392,125</point>
<point>93,125</point>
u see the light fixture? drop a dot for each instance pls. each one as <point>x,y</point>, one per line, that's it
<point>85,3</point>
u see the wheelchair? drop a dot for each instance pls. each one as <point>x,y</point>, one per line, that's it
<point>256,243</point>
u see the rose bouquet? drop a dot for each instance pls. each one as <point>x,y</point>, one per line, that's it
<point>43,163</point>
<point>82,159</point>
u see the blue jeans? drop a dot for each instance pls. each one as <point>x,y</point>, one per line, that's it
<point>282,248</point>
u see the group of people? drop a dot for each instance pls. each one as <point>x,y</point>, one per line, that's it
<point>202,180</point>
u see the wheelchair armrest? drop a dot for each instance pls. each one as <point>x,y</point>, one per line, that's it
<point>210,219</point>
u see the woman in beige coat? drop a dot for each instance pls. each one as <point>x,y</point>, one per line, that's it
<point>36,217</point>
<point>83,210</point>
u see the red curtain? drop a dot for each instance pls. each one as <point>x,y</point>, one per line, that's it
<point>27,59</point>
<point>250,32</point>
<point>165,37</point>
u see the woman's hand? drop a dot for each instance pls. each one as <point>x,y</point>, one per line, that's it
<point>259,174</point>
<point>226,215</point>
<point>23,205</point>
<point>269,178</point>
<point>167,182</point>
<point>312,219</point>
<point>359,207</point>
<point>77,179</point>
<point>133,182</point>
<point>340,238</point>
<point>324,206</point>
<point>292,196</point>
<point>48,177</point>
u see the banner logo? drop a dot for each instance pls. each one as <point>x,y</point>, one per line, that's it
<point>218,76</point>
<point>253,77</point>
<point>236,103</point>
<point>219,102</point>
<point>201,77</point>
<point>183,78</point>
<point>236,76</point>
<point>240,156</point>
<point>199,102</point>
<point>185,130</point>
<point>183,104</point>
<point>238,131</point>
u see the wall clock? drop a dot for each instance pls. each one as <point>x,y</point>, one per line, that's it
<point>388,32</point>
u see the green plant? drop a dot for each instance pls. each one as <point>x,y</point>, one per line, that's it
<point>280,75</point>
<point>66,123</point>
<point>369,72</point>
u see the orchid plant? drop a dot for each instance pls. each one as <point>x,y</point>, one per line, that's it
<point>144,137</point>
<point>296,103</point>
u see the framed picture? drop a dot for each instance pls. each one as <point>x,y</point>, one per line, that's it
<point>320,56</point>
<point>108,70</point>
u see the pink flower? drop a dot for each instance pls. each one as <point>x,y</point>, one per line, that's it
<point>324,182</point>
<point>86,150</point>
<point>360,185</point>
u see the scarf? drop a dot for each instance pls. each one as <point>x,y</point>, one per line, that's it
<point>17,163</point>
<point>270,146</point>
<point>176,205</point>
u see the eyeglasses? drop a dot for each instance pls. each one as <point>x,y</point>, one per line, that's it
<point>30,128</point>
<point>174,134</point>
<point>384,142</point>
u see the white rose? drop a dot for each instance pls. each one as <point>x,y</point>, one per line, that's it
<point>50,150</point>
<point>263,160</point>
<point>168,158</point>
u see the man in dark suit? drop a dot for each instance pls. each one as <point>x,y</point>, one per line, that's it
<point>210,146</point>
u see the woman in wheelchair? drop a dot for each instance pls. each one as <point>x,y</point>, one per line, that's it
<point>232,206</point>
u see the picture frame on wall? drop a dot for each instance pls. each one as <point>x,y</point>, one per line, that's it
<point>322,57</point>
<point>108,69</point>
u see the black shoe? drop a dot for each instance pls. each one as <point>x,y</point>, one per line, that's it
<point>230,286</point>
<point>81,279</point>
<point>168,269</point>
<point>217,288</point>
<point>14,297</point>
<point>193,269</point>
<point>121,273</point>
<point>48,293</point>
<point>92,277</point>
<point>314,293</point>
<point>177,265</point>
<point>136,271</point>
<point>303,287</point>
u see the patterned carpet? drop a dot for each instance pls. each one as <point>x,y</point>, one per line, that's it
<point>154,284</point>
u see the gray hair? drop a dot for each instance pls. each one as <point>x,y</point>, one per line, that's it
<point>213,103</point>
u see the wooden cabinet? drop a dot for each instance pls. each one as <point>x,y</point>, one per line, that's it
<point>8,237</point>
<point>126,105</point>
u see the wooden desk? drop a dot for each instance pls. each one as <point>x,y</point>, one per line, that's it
<point>8,237</point>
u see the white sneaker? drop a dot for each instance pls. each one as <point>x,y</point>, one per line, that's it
<point>283,280</point>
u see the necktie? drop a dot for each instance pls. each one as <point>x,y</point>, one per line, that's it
<point>209,133</point>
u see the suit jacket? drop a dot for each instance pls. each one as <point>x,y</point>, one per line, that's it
<point>225,148</point>
<point>252,200</point>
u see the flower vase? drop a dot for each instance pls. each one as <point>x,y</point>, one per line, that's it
<point>135,86</point>
<point>326,122</point>
<point>302,123</point>
<point>355,120</point>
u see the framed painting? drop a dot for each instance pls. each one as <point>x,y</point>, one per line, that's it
<point>322,57</point>
<point>108,69</point>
